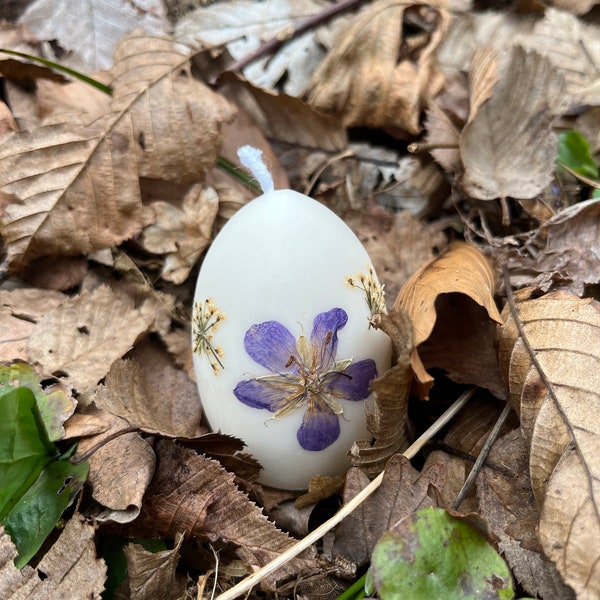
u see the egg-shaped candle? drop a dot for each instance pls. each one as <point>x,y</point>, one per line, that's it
<point>284,350</point>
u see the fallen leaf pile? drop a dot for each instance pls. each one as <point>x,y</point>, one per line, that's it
<point>461,145</point>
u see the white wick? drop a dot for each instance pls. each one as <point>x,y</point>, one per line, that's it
<point>251,158</point>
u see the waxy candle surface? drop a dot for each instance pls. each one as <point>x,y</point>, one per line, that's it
<point>283,350</point>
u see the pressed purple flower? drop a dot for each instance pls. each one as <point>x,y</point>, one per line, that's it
<point>305,373</point>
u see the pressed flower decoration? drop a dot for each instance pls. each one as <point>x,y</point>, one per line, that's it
<point>205,321</point>
<point>373,290</point>
<point>305,374</point>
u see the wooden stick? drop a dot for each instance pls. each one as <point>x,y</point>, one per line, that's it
<point>250,581</point>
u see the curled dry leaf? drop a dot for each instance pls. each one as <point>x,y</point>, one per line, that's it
<point>463,270</point>
<point>182,233</point>
<point>195,495</point>
<point>508,147</point>
<point>120,471</point>
<point>376,75</point>
<point>70,568</point>
<point>506,502</point>
<point>83,336</point>
<point>403,491</point>
<point>387,419</point>
<point>78,190</point>
<point>559,422</point>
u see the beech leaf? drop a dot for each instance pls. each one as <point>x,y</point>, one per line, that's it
<point>558,420</point>
<point>508,148</point>
<point>78,189</point>
<point>80,339</point>
<point>152,396</point>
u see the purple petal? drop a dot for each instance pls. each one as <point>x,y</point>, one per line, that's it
<point>258,394</point>
<point>271,345</point>
<point>319,429</point>
<point>324,334</point>
<point>353,382</point>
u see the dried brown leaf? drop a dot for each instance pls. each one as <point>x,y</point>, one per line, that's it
<point>85,35</point>
<point>432,294</point>
<point>152,395</point>
<point>483,77</point>
<point>375,77</point>
<point>397,244</point>
<point>558,420</point>
<point>508,148</point>
<point>20,310</point>
<point>194,495</point>
<point>67,197</point>
<point>182,233</point>
<point>284,117</point>
<point>506,502</point>
<point>153,574</point>
<point>403,491</point>
<point>70,568</point>
<point>387,419</point>
<point>52,273</point>
<point>120,471</point>
<point>78,190</point>
<point>442,135</point>
<point>174,120</point>
<point>571,45</point>
<point>566,253</point>
<point>81,338</point>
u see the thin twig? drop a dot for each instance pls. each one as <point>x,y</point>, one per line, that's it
<point>109,438</point>
<point>280,39</point>
<point>482,456</point>
<point>311,538</point>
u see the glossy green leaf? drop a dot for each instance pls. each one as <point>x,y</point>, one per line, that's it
<point>34,516</point>
<point>432,554</point>
<point>574,153</point>
<point>24,446</point>
<point>36,484</point>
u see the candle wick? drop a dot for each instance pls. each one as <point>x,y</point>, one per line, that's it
<point>252,159</point>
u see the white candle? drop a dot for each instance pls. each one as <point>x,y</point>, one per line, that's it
<point>283,348</point>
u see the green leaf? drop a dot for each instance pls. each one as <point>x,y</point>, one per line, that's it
<point>36,483</point>
<point>432,554</point>
<point>24,449</point>
<point>574,153</point>
<point>34,516</point>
